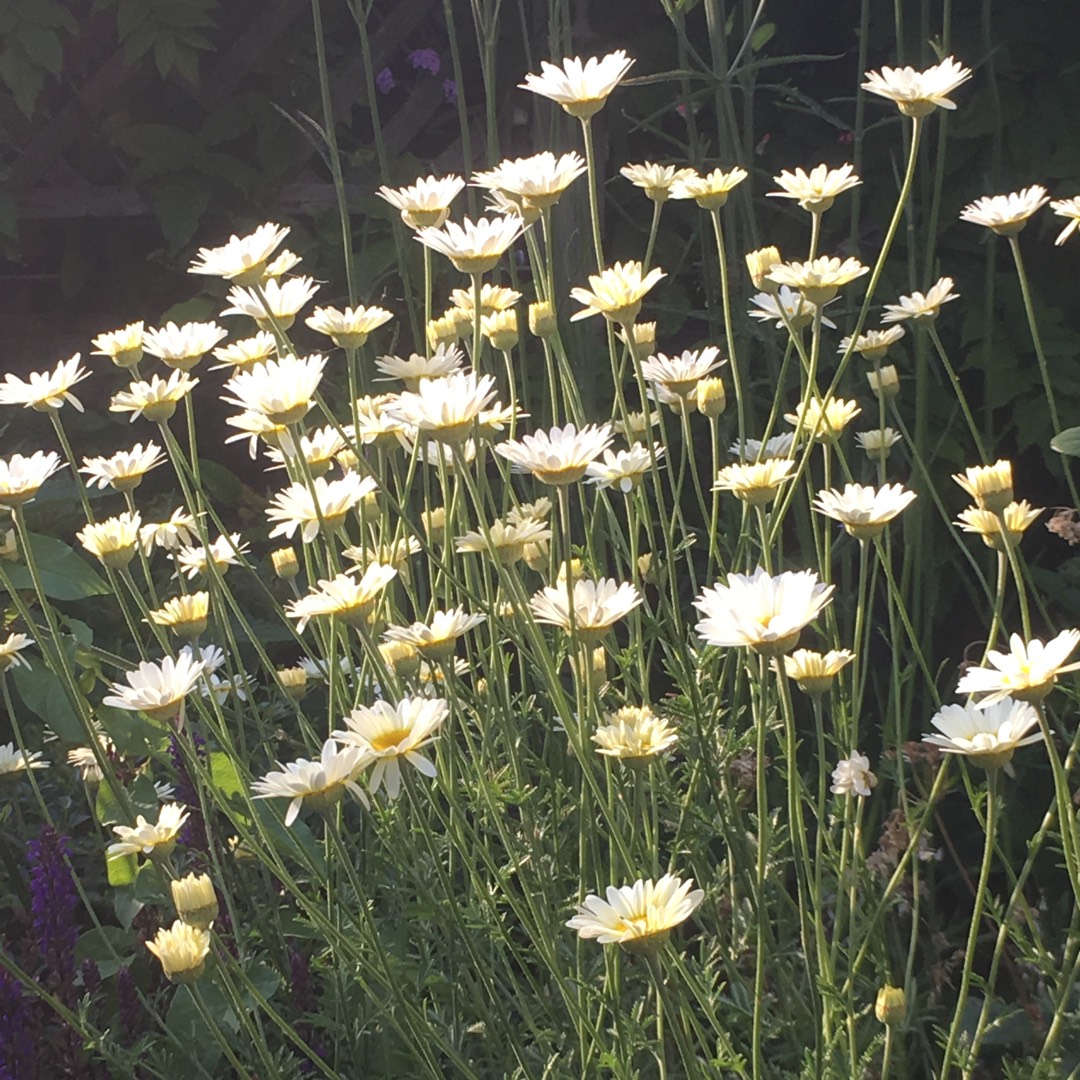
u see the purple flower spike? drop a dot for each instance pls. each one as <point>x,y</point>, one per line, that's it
<point>449,89</point>
<point>53,901</point>
<point>385,81</point>
<point>18,1055</point>
<point>425,60</point>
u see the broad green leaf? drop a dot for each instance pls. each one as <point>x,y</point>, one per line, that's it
<point>110,947</point>
<point>1067,442</point>
<point>43,694</point>
<point>65,575</point>
<point>132,732</point>
<point>107,808</point>
<point>121,870</point>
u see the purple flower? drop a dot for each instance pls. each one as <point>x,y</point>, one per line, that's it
<point>425,60</point>
<point>53,901</point>
<point>128,1006</point>
<point>449,90</point>
<point>385,81</point>
<point>18,1055</point>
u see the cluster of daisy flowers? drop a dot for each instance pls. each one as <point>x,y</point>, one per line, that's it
<point>440,408</point>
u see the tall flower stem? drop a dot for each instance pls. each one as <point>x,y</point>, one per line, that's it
<point>763,832</point>
<point>976,919</point>
<point>725,300</point>
<point>954,380</point>
<point>594,206</point>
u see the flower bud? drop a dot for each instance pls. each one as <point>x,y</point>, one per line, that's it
<point>711,397</point>
<point>286,565</point>
<point>182,951</point>
<point>195,900</point>
<point>890,1007</point>
<point>542,322</point>
<point>884,382</point>
<point>501,329</point>
<point>759,263</point>
<point>293,681</point>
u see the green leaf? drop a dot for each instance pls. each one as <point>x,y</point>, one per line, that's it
<point>43,694</point>
<point>121,870</point>
<point>133,734</point>
<point>762,36</point>
<point>225,776</point>
<point>1067,442</point>
<point>185,1021</point>
<point>110,947</point>
<point>65,575</point>
<point>107,808</point>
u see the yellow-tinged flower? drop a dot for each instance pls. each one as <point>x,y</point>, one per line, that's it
<point>437,639</point>
<point>322,505</point>
<point>21,477</point>
<point>158,689</point>
<point>182,950</point>
<point>623,469</point>
<point>273,304</point>
<point>425,203</point>
<point>280,390</point>
<point>185,615</point>
<point>1026,672</point>
<point>507,541</point>
<point>710,191</point>
<point>878,443</point>
<point>182,347</point>
<point>560,456</point>
<point>987,734</point>
<point>247,352</point>
<point>169,535</point>
<point>114,541</point>
<point>580,88</point>
<point>224,552</point>
<point>814,672</point>
<point>13,762</point>
<point>785,308</point>
<point>656,180</point>
<point>681,374</point>
<point>918,93</point>
<point>125,469</point>
<point>493,298</point>
<point>756,482</point>
<point>445,409</point>
<point>348,329</point>
<point>852,776</point>
<point>616,293</point>
<point>637,425</point>
<point>45,391</point>
<point>638,917</point>
<point>1006,215</point>
<point>873,344</point>
<point>386,734</point>
<point>344,596</point>
<point>535,182</point>
<point>1067,208</point>
<point>402,657</point>
<point>816,189</point>
<point>195,900</point>
<point>760,612</point>
<point>597,606</point>
<point>991,486</point>
<point>124,347</point>
<point>320,784</point>
<point>863,511</point>
<point>919,306</point>
<point>825,424</point>
<point>634,733</point>
<point>10,649</point>
<point>474,247</point>
<point>155,841</point>
<point>293,681</point>
<point>999,529</point>
<point>820,279</point>
<point>242,259</point>
<point>157,399</point>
